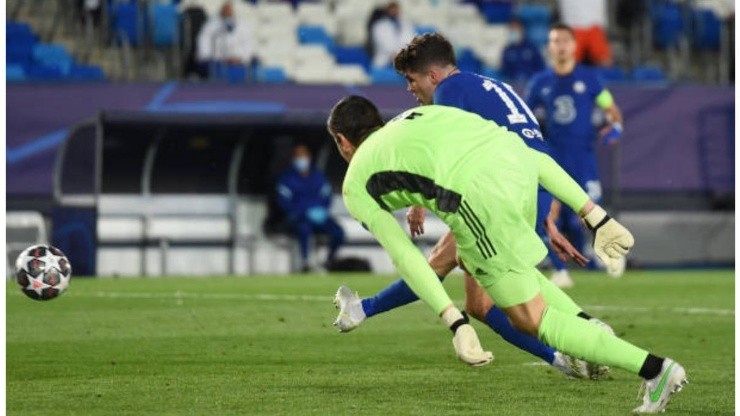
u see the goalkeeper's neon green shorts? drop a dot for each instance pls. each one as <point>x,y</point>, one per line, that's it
<point>496,236</point>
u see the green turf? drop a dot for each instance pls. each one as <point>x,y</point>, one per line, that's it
<point>227,346</point>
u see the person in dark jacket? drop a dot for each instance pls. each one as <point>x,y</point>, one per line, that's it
<point>304,195</point>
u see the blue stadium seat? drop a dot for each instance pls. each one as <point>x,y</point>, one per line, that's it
<point>125,21</point>
<point>538,34</point>
<point>14,72</point>
<point>706,29</point>
<point>311,34</point>
<point>38,72</point>
<point>20,51</point>
<point>386,76</point>
<point>490,73</point>
<point>534,14</point>
<point>351,55</point>
<point>611,74</point>
<point>53,56</point>
<point>668,25</point>
<point>13,29</point>
<point>648,73</point>
<point>87,73</point>
<point>164,24</point>
<point>271,75</point>
<point>467,61</point>
<point>496,11</point>
<point>422,29</point>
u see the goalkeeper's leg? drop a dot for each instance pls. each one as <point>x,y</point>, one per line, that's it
<point>523,303</point>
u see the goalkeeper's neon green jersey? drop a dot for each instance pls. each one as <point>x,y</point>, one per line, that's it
<point>476,176</point>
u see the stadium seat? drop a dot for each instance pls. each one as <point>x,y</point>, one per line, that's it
<point>164,24</point>
<point>648,73</point>
<point>668,25</point>
<point>317,14</point>
<point>351,55</point>
<point>706,29</point>
<point>54,57</point>
<point>496,11</point>
<point>311,34</point>
<point>467,61</point>
<point>87,73</point>
<point>422,29</point>
<point>17,29</point>
<point>20,51</point>
<point>386,76</point>
<point>534,14</point>
<point>611,74</point>
<point>271,75</point>
<point>14,72</point>
<point>125,21</point>
<point>44,73</point>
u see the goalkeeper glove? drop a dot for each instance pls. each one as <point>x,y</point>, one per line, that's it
<point>465,341</point>
<point>611,240</point>
<point>613,134</point>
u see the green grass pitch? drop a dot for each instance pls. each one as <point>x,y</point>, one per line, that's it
<point>265,345</point>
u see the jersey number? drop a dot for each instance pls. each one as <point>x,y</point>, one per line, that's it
<point>515,116</point>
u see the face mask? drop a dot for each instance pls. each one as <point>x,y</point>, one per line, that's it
<point>515,36</point>
<point>229,23</point>
<point>301,164</point>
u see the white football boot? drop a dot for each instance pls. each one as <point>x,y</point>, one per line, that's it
<point>351,313</point>
<point>658,390</point>
<point>571,367</point>
<point>561,279</point>
<point>599,371</point>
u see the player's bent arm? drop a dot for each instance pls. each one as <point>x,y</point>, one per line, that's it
<point>553,178</point>
<point>421,278</point>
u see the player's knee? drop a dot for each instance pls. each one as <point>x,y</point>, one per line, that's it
<point>476,309</point>
<point>526,324</point>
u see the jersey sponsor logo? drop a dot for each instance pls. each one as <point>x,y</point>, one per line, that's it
<point>565,109</point>
<point>532,134</point>
<point>579,87</point>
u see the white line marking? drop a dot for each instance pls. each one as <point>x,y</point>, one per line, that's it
<point>179,295</point>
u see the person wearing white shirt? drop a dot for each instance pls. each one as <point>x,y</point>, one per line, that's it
<point>225,39</point>
<point>389,34</point>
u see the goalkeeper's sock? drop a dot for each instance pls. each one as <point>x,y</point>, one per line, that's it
<point>499,322</point>
<point>393,296</point>
<point>582,339</point>
<point>555,297</point>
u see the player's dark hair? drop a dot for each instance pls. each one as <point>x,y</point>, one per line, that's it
<point>355,117</point>
<point>423,51</point>
<point>563,26</point>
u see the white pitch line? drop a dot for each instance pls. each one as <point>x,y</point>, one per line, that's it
<point>317,298</point>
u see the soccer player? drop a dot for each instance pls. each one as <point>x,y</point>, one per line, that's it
<point>569,93</point>
<point>481,180</point>
<point>428,63</point>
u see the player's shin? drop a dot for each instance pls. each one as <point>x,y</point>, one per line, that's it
<point>583,339</point>
<point>395,295</point>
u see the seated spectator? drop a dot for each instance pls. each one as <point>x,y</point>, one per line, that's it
<point>389,32</point>
<point>588,20</point>
<point>223,39</point>
<point>304,195</point>
<point>521,58</point>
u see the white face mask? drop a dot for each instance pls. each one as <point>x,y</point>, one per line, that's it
<point>301,164</point>
<point>515,36</point>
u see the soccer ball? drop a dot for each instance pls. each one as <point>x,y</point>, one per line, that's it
<point>43,272</point>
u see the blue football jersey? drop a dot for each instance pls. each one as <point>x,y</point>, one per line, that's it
<point>569,102</point>
<point>493,100</point>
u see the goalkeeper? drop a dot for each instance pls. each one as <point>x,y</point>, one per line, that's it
<point>481,180</point>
